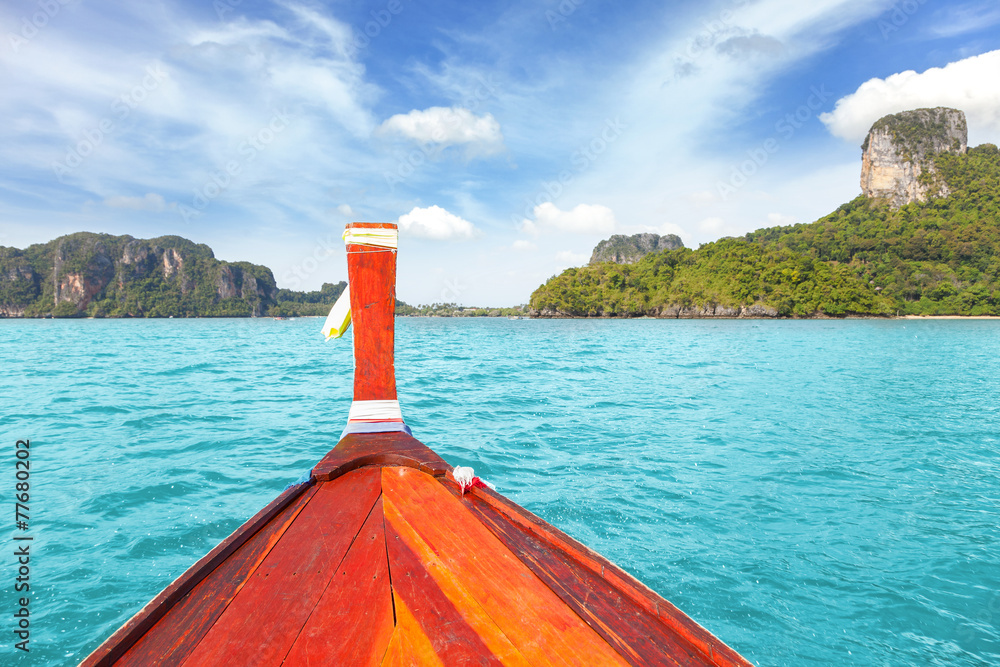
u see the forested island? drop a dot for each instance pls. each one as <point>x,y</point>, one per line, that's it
<point>923,239</point>
<point>100,275</point>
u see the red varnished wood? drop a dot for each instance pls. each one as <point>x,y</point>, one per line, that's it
<point>618,587</point>
<point>372,278</point>
<point>176,634</point>
<point>352,623</point>
<point>409,646</point>
<point>454,623</point>
<point>636,634</point>
<point>393,449</point>
<point>126,636</point>
<point>260,625</point>
<point>540,626</point>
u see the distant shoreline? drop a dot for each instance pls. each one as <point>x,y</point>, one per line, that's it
<point>524,317</point>
<point>948,317</point>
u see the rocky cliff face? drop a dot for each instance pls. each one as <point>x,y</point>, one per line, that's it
<point>82,272</point>
<point>622,249</point>
<point>897,161</point>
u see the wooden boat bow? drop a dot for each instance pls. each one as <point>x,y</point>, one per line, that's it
<point>380,559</point>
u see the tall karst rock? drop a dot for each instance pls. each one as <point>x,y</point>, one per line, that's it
<point>897,164</point>
<point>622,249</point>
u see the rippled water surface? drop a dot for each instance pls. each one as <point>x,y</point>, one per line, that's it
<point>814,493</point>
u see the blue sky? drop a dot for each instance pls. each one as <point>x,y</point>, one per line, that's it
<point>506,138</point>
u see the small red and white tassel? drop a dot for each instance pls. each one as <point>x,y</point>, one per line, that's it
<point>466,479</point>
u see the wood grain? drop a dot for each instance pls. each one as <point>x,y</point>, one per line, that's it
<point>622,586</point>
<point>460,631</point>
<point>126,636</point>
<point>392,449</point>
<point>371,274</point>
<point>353,621</point>
<point>173,638</point>
<point>540,625</point>
<point>636,634</point>
<point>409,646</point>
<point>260,625</point>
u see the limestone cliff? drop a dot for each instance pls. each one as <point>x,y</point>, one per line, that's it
<point>622,249</point>
<point>102,274</point>
<point>897,162</point>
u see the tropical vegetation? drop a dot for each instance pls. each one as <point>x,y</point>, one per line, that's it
<point>939,257</point>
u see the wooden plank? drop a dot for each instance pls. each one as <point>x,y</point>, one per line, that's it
<point>395,449</point>
<point>409,646</point>
<point>126,636</point>
<point>636,634</point>
<point>172,639</point>
<point>353,621</point>
<point>460,631</point>
<point>676,620</point>
<point>371,273</point>
<point>260,625</point>
<point>542,627</point>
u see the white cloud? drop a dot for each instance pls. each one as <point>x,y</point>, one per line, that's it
<point>971,85</point>
<point>702,198</point>
<point>583,219</point>
<point>712,225</point>
<point>446,126</point>
<point>781,220</point>
<point>662,230</point>
<point>435,223</point>
<point>523,245</point>
<point>150,202</point>
<point>345,210</point>
<point>570,258</point>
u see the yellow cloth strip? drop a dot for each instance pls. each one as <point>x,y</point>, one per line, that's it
<point>340,316</point>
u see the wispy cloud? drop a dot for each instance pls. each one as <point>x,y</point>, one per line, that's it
<point>149,202</point>
<point>129,121</point>
<point>954,20</point>
<point>622,119</point>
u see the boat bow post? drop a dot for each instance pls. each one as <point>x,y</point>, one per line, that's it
<point>371,275</point>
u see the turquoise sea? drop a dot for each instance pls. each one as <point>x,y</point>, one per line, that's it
<point>812,492</point>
